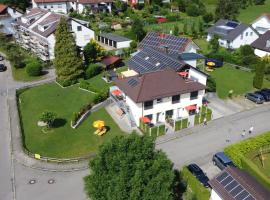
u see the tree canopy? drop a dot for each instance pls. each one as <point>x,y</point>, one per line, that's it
<point>137,29</point>
<point>92,52</point>
<point>22,4</point>
<point>130,168</point>
<point>67,62</point>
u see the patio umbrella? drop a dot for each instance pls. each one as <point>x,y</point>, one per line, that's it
<point>116,92</point>
<point>145,120</point>
<point>210,64</point>
<point>99,124</point>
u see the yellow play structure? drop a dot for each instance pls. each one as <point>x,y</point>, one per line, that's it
<point>100,126</point>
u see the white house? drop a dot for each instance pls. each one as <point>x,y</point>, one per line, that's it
<point>262,23</point>
<point>113,40</point>
<point>35,31</point>
<point>232,34</point>
<point>160,95</point>
<point>262,45</point>
<point>233,183</point>
<point>66,6</point>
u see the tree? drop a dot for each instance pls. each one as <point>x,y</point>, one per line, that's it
<point>259,75</point>
<point>22,4</point>
<point>193,10</point>
<point>48,117</point>
<point>67,62</point>
<point>33,67</point>
<point>208,17</point>
<point>201,27</point>
<point>137,29</point>
<point>211,84</point>
<point>133,45</point>
<point>194,31</point>
<point>130,168</point>
<point>185,28</point>
<point>176,30</point>
<point>214,43</point>
<point>92,52</point>
<point>227,9</point>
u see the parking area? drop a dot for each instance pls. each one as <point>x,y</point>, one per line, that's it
<point>210,169</point>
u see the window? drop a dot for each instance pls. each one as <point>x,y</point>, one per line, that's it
<point>59,6</point>
<point>45,6</point>
<point>51,6</point>
<point>242,36</point>
<point>246,33</point>
<point>175,99</point>
<point>148,105</point>
<point>194,95</point>
<point>251,33</point>
<point>159,100</point>
<point>79,28</point>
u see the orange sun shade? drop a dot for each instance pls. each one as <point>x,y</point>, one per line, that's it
<point>116,92</point>
<point>182,73</point>
<point>145,120</point>
<point>192,107</point>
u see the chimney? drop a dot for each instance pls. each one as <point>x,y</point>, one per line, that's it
<point>166,49</point>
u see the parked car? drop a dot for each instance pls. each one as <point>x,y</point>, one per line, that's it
<point>199,174</point>
<point>2,68</point>
<point>222,161</point>
<point>1,58</point>
<point>266,90</point>
<point>257,98</point>
<point>264,94</point>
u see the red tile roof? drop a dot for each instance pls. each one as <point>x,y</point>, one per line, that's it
<point>2,8</point>
<point>109,60</point>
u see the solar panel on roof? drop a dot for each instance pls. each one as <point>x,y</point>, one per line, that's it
<point>232,24</point>
<point>232,185</point>
<point>249,198</point>
<point>242,195</point>
<point>132,82</point>
<point>237,190</point>
<point>226,181</point>
<point>222,176</point>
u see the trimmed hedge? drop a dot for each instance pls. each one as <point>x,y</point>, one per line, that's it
<point>34,68</point>
<point>194,187</point>
<point>87,86</point>
<point>239,152</point>
<point>154,131</point>
<point>178,125</point>
<point>184,123</point>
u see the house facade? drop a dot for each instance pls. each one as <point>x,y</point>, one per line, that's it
<point>232,35</point>
<point>262,23</point>
<point>160,95</point>
<point>66,6</point>
<point>262,45</point>
<point>114,41</point>
<point>35,31</point>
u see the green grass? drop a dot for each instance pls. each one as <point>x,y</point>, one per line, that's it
<point>62,141</point>
<point>249,14</point>
<point>266,168</point>
<point>228,78</point>
<point>21,75</point>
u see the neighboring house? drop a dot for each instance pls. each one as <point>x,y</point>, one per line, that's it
<point>235,184</point>
<point>35,31</point>
<point>113,40</point>
<point>262,23</point>
<point>66,6</point>
<point>135,2</point>
<point>262,45</point>
<point>8,15</point>
<point>232,34</point>
<point>157,52</point>
<point>160,95</point>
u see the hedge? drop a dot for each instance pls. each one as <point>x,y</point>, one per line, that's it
<point>87,86</point>
<point>154,131</point>
<point>178,125</point>
<point>184,123</point>
<point>194,186</point>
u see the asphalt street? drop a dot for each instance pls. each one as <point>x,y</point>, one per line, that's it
<point>197,146</point>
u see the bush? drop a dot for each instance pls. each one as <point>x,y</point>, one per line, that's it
<point>87,86</point>
<point>211,84</point>
<point>193,10</point>
<point>48,117</point>
<point>93,70</point>
<point>33,68</point>
<point>100,97</point>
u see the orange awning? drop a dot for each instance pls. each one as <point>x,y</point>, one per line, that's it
<point>191,107</point>
<point>145,120</point>
<point>116,92</point>
<point>182,73</point>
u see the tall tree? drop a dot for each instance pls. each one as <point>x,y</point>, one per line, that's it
<point>227,9</point>
<point>214,43</point>
<point>137,29</point>
<point>259,75</point>
<point>67,62</point>
<point>130,168</point>
<point>92,52</point>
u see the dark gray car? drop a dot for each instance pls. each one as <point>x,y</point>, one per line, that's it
<point>222,161</point>
<point>257,98</point>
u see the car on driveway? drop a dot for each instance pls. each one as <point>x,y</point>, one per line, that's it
<point>199,174</point>
<point>257,98</point>
<point>1,58</point>
<point>2,68</point>
<point>222,161</point>
<point>265,94</point>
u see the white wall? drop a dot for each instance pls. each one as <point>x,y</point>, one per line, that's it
<point>195,75</point>
<point>125,44</point>
<point>261,53</point>
<point>51,41</point>
<point>14,13</point>
<point>165,105</point>
<point>81,7</point>
<point>215,196</point>
<point>262,24</point>
<point>246,40</point>
<point>59,7</point>
<point>191,48</point>
<point>84,36</point>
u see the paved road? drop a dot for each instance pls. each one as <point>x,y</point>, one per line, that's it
<point>201,142</point>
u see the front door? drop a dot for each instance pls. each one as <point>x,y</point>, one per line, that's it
<point>158,117</point>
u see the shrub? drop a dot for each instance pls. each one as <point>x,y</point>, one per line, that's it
<point>93,70</point>
<point>87,86</point>
<point>48,117</point>
<point>193,10</point>
<point>211,84</point>
<point>33,68</point>
<point>100,97</point>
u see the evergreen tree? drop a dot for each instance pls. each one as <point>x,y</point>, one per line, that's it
<point>185,28</point>
<point>259,75</point>
<point>194,31</point>
<point>67,62</point>
<point>201,27</point>
<point>130,168</point>
<point>227,9</point>
<point>214,43</point>
<point>137,29</point>
<point>176,30</point>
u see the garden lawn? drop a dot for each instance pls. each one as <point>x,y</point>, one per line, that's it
<point>21,75</point>
<point>228,78</point>
<point>249,14</point>
<point>266,168</point>
<point>62,141</point>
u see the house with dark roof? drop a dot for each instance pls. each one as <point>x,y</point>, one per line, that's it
<point>262,23</point>
<point>35,31</point>
<point>159,95</point>
<point>262,45</point>
<point>235,184</point>
<point>113,40</point>
<point>66,6</point>
<point>232,34</point>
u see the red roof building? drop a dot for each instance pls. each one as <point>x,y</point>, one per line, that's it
<point>3,9</point>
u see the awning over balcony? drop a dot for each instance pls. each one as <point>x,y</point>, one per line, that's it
<point>191,107</point>
<point>183,73</point>
<point>116,92</point>
<point>145,119</point>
